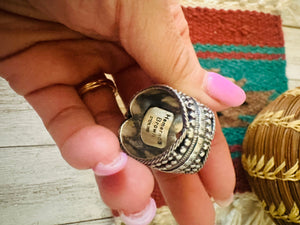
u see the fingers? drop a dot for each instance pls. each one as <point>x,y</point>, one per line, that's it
<point>187,198</point>
<point>185,194</point>
<point>217,180</point>
<point>86,145</point>
<point>117,190</point>
<point>103,106</point>
<point>154,33</point>
<point>73,128</point>
<point>130,81</point>
<point>72,124</point>
<point>218,174</point>
<point>66,62</point>
<point>129,190</point>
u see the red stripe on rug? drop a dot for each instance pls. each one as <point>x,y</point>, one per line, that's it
<point>211,26</point>
<point>235,148</point>
<point>239,55</point>
<point>242,184</point>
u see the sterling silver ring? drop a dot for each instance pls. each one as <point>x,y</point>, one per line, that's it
<point>168,130</point>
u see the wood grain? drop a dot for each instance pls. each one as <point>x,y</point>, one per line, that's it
<point>105,221</point>
<point>20,125</point>
<point>38,187</point>
<point>291,13</point>
<point>292,47</point>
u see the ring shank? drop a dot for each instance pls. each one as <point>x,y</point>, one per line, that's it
<point>93,85</point>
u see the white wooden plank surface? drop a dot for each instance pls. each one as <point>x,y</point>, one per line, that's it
<point>291,13</point>
<point>294,83</point>
<point>19,124</point>
<point>108,221</point>
<point>292,47</point>
<point>38,187</point>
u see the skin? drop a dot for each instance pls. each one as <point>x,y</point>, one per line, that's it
<point>139,42</point>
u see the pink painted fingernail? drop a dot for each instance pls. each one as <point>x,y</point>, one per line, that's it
<point>140,218</point>
<point>226,202</point>
<point>113,167</point>
<point>223,90</point>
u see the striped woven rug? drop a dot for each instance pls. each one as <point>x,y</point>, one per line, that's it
<point>247,46</point>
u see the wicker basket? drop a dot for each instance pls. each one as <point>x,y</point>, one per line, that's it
<point>271,155</point>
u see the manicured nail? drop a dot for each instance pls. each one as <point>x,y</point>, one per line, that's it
<point>140,218</point>
<point>223,90</point>
<point>113,167</point>
<point>226,202</point>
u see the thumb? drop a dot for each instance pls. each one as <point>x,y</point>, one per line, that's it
<point>156,34</point>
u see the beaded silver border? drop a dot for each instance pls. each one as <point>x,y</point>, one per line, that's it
<point>189,152</point>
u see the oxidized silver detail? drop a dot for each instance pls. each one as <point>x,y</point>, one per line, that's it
<point>178,130</point>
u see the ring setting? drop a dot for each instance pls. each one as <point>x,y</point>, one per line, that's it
<point>168,130</point>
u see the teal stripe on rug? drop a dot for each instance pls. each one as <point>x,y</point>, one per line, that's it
<point>235,155</point>
<point>260,75</point>
<point>247,118</point>
<point>234,135</point>
<point>238,48</point>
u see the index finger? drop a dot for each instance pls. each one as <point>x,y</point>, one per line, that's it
<point>73,124</point>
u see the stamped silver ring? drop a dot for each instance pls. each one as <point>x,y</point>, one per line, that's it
<point>168,130</point>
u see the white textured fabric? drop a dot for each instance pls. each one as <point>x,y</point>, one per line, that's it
<point>267,6</point>
<point>245,209</point>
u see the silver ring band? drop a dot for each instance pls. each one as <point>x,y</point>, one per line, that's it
<point>168,130</point>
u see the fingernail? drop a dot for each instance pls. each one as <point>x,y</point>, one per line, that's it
<point>141,218</point>
<point>226,202</point>
<point>113,167</point>
<point>223,90</point>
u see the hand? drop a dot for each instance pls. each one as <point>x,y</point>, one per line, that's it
<point>140,43</point>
